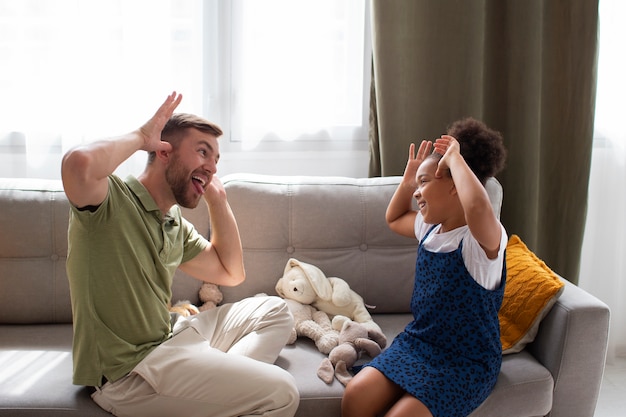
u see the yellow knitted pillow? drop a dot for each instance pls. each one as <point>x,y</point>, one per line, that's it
<point>530,292</point>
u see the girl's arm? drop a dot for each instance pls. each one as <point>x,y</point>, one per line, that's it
<point>479,214</point>
<point>400,215</point>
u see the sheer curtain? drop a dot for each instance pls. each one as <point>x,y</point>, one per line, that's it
<point>291,60</point>
<point>603,263</point>
<point>73,71</point>
<point>277,76</point>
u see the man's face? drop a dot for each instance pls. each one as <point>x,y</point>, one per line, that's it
<point>192,166</point>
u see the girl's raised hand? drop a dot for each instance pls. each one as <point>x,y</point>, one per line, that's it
<point>447,146</point>
<point>415,160</point>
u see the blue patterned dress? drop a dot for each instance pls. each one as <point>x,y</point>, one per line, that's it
<point>449,356</point>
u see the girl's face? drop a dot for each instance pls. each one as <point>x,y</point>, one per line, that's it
<point>436,197</point>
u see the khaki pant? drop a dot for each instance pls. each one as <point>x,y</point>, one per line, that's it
<point>219,363</point>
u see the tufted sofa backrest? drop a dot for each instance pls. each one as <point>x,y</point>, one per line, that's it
<point>33,249</point>
<point>34,217</point>
<point>335,223</point>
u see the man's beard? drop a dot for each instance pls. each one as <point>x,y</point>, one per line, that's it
<point>179,181</point>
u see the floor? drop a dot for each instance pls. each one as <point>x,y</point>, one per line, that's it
<point>612,401</point>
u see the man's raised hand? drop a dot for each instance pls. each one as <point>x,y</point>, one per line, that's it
<point>151,130</point>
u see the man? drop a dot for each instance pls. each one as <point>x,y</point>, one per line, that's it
<point>126,239</point>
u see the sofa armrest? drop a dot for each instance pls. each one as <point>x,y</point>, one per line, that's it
<point>572,343</point>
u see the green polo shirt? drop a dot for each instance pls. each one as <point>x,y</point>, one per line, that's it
<point>120,264</point>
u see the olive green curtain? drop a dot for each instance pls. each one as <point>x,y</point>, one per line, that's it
<point>526,68</point>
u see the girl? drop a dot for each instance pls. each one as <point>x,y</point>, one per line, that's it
<point>446,361</point>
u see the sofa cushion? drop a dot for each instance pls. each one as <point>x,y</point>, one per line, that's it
<point>336,224</point>
<point>36,377</point>
<point>530,292</point>
<point>33,249</point>
<point>524,386</point>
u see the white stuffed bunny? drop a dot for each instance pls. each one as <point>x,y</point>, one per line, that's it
<point>307,284</point>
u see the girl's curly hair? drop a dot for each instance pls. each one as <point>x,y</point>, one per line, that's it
<point>481,147</point>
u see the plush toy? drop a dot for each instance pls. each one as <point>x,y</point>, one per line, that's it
<point>307,284</point>
<point>184,308</point>
<point>314,324</point>
<point>210,295</point>
<point>354,339</point>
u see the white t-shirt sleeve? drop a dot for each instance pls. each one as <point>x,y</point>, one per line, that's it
<point>486,272</point>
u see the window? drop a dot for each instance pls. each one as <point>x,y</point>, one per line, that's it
<point>95,67</point>
<point>299,70</point>
<point>275,74</point>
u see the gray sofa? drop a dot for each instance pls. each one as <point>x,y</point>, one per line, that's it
<point>334,223</point>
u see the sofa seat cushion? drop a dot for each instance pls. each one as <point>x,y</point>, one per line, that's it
<point>36,378</point>
<point>37,369</point>
<point>524,387</point>
<point>37,366</point>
